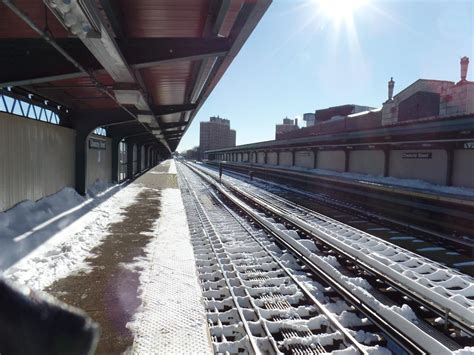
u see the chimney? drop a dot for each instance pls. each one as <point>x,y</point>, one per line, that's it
<point>464,66</point>
<point>391,85</point>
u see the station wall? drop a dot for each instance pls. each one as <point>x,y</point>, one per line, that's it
<point>369,162</point>
<point>272,158</point>
<point>463,167</point>
<point>99,161</point>
<point>286,159</point>
<point>304,159</point>
<point>253,157</point>
<point>37,159</point>
<point>427,165</point>
<point>331,160</point>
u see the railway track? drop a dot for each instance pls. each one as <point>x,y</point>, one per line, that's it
<point>414,208</point>
<point>259,298</point>
<point>436,316</point>
<point>422,240</point>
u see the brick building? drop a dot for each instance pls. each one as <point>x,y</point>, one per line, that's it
<point>288,125</point>
<point>215,134</point>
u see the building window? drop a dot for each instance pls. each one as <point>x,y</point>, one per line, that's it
<point>15,106</point>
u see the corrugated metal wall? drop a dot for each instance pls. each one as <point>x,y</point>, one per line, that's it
<point>304,159</point>
<point>272,158</point>
<point>99,161</point>
<point>36,159</point>
<point>367,162</point>
<point>331,160</point>
<point>432,169</point>
<point>463,174</point>
<point>286,158</point>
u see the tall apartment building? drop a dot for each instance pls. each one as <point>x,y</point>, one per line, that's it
<point>215,134</point>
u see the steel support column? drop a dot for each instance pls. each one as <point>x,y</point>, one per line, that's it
<point>139,158</point>
<point>315,158</point>
<point>115,159</point>
<point>130,146</point>
<point>386,162</point>
<point>346,160</point>
<point>146,157</point>
<point>278,157</point>
<point>293,158</point>
<point>81,162</point>
<point>450,166</point>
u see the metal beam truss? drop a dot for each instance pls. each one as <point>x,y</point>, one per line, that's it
<point>18,54</point>
<point>12,104</point>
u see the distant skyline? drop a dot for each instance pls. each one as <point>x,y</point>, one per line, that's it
<point>306,55</point>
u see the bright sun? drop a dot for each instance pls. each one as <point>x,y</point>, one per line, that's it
<point>340,10</point>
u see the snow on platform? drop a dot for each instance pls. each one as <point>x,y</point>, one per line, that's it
<point>172,317</point>
<point>59,239</point>
<point>53,237</point>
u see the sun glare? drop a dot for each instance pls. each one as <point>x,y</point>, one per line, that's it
<point>340,10</point>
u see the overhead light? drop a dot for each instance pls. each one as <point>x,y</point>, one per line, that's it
<point>131,97</point>
<point>154,124</point>
<point>145,118</point>
<point>76,17</point>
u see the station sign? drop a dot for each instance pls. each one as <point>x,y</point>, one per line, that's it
<point>417,155</point>
<point>97,144</point>
<point>469,145</point>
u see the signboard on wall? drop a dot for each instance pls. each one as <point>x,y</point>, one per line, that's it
<point>469,145</point>
<point>417,155</point>
<point>97,144</point>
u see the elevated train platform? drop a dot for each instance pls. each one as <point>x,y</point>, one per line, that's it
<point>110,243</point>
<point>171,263</point>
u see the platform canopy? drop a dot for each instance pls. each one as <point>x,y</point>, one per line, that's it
<point>140,68</point>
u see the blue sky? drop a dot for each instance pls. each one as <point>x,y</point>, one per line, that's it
<point>301,58</point>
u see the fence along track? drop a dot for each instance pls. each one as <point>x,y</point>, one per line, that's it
<point>280,313</point>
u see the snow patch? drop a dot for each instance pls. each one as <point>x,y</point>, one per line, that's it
<point>69,245</point>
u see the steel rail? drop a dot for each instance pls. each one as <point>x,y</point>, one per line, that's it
<point>323,310</point>
<point>303,288</point>
<point>200,212</point>
<point>398,335</point>
<point>298,223</point>
<point>429,304</point>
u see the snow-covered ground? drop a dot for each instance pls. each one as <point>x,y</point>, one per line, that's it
<point>171,318</point>
<point>60,239</point>
<point>29,224</point>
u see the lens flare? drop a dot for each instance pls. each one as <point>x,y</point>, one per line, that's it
<point>340,10</point>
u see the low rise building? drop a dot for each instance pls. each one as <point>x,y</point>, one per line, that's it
<point>288,125</point>
<point>430,98</point>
